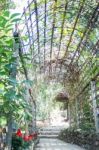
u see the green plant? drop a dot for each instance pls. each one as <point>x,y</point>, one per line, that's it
<point>17,142</point>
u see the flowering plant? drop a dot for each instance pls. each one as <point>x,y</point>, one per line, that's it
<point>20,140</point>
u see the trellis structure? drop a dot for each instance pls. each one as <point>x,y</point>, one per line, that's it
<point>62,40</point>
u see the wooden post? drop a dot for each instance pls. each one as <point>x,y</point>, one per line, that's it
<point>35,114</point>
<point>93,91</point>
<point>69,115</point>
<point>76,107</point>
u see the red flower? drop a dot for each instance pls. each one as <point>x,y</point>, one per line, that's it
<point>26,138</point>
<point>30,137</point>
<point>34,135</point>
<point>19,133</point>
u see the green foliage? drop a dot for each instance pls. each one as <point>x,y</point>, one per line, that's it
<point>45,99</point>
<point>17,142</point>
<point>11,91</point>
<point>87,122</point>
<point>6,4</point>
<point>85,139</point>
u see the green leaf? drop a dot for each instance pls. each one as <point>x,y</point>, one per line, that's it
<point>10,95</point>
<point>3,21</point>
<point>10,29</point>
<point>3,18</point>
<point>6,13</point>
<point>1,86</point>
<point>16,20</point>
<point>8,25</point>
<point>2,73</point>
<point>12,80</point>
<point>14,15</point>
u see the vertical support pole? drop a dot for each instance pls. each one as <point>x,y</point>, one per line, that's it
<point>35,115</point>
<point>93,91</point>
<point>77,119</point>
<point>69,115</point>
<point>13,73</point>
<point>27,95</point>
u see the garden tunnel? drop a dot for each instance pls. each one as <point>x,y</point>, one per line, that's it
<point>63,46</point>
<point>57,42</point>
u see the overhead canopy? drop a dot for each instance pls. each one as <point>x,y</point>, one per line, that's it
<point>63,38</point>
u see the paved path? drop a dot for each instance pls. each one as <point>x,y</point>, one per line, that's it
<point>55,144</point>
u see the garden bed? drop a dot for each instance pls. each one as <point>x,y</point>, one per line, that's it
<point>85,139</point>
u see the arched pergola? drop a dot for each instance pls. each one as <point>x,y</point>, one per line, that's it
<point>61,40</point>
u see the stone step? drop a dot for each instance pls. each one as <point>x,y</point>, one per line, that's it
<point>53,132</point>
<point>48,136</point>
<point>49,132</point>
<point>56,129</point>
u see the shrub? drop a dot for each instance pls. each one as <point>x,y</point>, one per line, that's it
<point>86,139</point>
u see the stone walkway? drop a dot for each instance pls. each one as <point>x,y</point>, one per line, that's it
<point>55,144</point>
